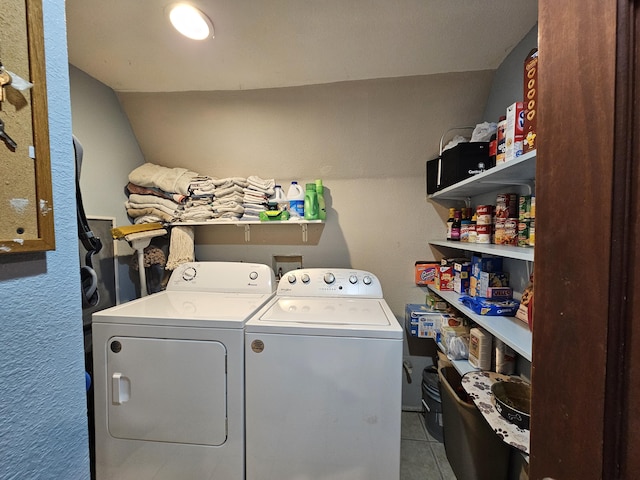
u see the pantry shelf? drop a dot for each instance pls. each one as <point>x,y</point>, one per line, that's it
<point>520,171</point>
<point>510,330</point>
<point>506,251</point>
<point>227,232</point>
<point>462,366</point>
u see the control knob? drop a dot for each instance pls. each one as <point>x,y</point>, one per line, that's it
<point>291,278</point>
<point>353,279</point>
<point>305,278</point>
<point>329,278</point>
<point>367,280</point>
<point>253,275</point>
<point>189,274</point>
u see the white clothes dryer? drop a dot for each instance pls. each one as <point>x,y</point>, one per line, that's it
<point>169,375</point>
<point>323,372</point>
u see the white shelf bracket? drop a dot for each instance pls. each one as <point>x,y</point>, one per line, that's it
<point>305,232</point>
<point>247,233</point>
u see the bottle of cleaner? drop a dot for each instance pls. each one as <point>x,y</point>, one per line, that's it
<point>278,200</point>
<point>310,202</point>
<point>295,195</point>
<point>322,209</point>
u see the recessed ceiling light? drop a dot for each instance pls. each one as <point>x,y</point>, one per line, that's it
<point>190,21</point>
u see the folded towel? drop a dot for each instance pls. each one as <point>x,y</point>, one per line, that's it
<point>265,186</point>
<point>229,182</point>
<point>159,215</point>
<point>176,197</point>
<point>221,192</point>
<point>176,180</point>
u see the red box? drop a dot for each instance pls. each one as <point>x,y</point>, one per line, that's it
<point>444,278</point>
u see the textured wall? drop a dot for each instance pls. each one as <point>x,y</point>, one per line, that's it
<point>43,426</point>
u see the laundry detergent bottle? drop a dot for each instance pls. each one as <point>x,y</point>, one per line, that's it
<point>295,195</point>
<point>322,208</point>
<point>310,202</point>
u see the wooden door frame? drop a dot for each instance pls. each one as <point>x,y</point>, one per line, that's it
<point>584,386</point>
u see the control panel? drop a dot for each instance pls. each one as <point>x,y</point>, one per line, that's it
<point>340,282</point>
<point>233,277</point>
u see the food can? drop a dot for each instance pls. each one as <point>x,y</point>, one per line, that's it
<point>524,228</point>
<point>484,214</point>
<point>506,205</point>
<point>532,233</point>
<point>483,233</point>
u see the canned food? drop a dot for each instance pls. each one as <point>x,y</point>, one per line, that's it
<point>484,214</point>
<point>483,233</point>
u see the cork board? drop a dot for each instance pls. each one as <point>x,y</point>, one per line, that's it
<point>26,206</point>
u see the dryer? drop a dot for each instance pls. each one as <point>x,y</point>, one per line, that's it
<point>169,375</point>
<point>323,372</point>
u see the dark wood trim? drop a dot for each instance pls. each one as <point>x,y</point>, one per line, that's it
<point>615,415</point>
<point>574,202</point>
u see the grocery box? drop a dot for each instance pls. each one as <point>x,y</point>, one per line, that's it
<point>485,264</point>
<point>461,285</point>
<point>444,278</point>
<point>435,303</point>
<point>498,293</point>
<point>492,279</point>
<point>415,312</point>
<point>530,101</point>
<point>514,131</point>
<point>462,269</point>
<point>425,272</point>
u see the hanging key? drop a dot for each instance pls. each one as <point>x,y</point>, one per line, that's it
<point>6,138</point>
<point>5,79</point>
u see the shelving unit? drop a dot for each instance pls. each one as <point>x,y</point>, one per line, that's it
<point>225,232</point>
<point>506,251</point>
<point>510,330</point>
<point>520,171</point>
<point>462,366</point>
<point>517,172</point>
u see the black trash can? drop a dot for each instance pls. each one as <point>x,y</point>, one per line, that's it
<point>474,450</point>
<point>431,404</point>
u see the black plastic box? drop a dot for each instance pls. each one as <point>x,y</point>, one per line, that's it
<point>457,163</point>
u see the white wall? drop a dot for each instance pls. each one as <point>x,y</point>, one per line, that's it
<point>43,417</point>
<point>367,140</point>
<point>110,153</point>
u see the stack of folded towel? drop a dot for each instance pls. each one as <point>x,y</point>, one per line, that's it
<point>256,196</point>
<point>228,198</point>
<point>158,193</point>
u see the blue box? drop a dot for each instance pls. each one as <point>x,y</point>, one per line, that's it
<point>485,264</point>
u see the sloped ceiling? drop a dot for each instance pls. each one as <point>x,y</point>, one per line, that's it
<point>130,46</point>
<point>440,54</point>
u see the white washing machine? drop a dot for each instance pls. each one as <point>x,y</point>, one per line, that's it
<point>169,376</point>
<point>323,372</point>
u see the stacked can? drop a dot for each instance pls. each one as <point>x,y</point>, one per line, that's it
<point>524,220</point>
<point>484,223</point>
<point>506,225</point>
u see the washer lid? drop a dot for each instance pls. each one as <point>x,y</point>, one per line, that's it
<point>366,317</point>
<point>179,308</point>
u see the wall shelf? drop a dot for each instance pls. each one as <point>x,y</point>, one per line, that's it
<point>226,232</point>
<point>520,171</point>
<point>506,251</point>
<point>510,330</point>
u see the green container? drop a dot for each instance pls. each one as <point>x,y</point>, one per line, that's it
<point>311,202</point>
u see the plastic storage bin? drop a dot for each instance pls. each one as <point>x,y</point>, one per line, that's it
<point>474,450</point>
<point>432,406</point>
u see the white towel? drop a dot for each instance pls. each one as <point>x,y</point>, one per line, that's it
<point>174,180</point>
<point>265,186</point>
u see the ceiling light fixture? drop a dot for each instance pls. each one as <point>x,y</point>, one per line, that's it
<point>190,21</point>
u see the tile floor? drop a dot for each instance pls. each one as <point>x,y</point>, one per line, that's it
<point>422,456</point>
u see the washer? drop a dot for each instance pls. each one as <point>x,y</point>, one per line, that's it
<point>169,375</point>
<point>323,367</point>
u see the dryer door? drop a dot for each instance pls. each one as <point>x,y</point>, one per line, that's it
<point>167,390</point>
